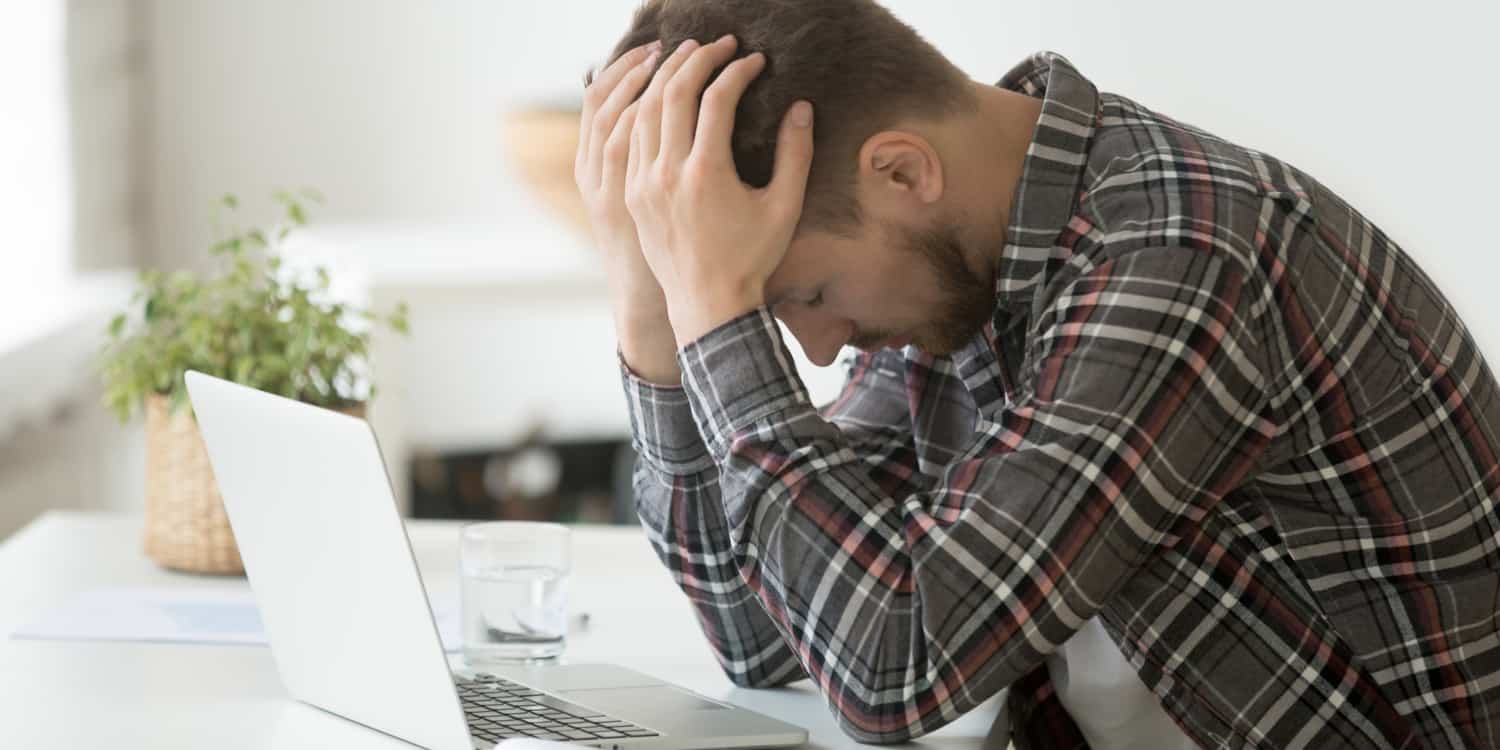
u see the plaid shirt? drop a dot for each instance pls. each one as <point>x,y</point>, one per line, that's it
<point>1215,407</point>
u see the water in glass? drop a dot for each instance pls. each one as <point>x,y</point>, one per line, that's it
<point>514,612</point>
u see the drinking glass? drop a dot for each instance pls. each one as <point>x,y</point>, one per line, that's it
<point>514,576</point>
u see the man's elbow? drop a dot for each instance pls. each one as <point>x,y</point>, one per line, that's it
<point>888,730</point>
<point>878,723</point>
<point>757,679</point>
<point>858,724</point>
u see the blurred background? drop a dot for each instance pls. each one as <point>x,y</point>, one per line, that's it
<point>434,131</point>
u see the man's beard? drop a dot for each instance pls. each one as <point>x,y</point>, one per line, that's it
<point>968,298</point>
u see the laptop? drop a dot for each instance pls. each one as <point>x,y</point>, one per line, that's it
<point>345,610</point>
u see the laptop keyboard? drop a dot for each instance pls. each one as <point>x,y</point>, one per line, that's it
<point>499,709</point>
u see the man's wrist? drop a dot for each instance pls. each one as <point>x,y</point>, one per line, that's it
<point>648,347</point>
<point>644,332</point>
<point>652,364</point>
<point>709,307</point>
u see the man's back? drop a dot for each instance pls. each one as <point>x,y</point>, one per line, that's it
<point>1374,505</point>
<point>1364,542</point>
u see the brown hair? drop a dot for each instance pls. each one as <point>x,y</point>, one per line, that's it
<point>862,68</point>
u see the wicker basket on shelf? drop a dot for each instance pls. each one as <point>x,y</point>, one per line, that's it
<point>186,528</point>
<point>542,142</point>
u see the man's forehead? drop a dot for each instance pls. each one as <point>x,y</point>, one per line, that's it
<point>812,259</point>
<point>795,272</point>
<point>775,296</point>
<point>784,287</point>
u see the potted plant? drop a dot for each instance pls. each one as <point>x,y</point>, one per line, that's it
<point>251,321</point>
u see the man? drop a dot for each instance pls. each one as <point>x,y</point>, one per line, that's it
<point>1122,383</point>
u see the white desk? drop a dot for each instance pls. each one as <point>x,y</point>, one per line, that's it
<point>57,694</point>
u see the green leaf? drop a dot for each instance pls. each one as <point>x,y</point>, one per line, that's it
<point>177,400</point>
<point>230,201</point>
<point>243,367</point>
<point>241,321</point>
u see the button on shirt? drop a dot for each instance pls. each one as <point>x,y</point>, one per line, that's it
<point>1216,409</point>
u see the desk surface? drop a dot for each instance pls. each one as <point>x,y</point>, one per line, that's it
<point>128,695</point>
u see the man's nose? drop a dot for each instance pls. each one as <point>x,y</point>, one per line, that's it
<point>821,336</point>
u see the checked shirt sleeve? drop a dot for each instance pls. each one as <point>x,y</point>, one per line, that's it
<point>1144,402</point>
<point>677,499</point>
<point>679,503</point>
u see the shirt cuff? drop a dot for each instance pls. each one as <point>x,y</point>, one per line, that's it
<point>661,425</point>
<point>737,374</point>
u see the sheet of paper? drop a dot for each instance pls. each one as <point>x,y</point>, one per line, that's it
<point>175,616</point>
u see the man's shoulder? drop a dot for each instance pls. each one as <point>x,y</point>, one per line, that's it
<point>1135,148</point>
<point>1152,180</point>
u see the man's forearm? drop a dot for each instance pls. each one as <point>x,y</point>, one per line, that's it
<point>678,501</point>
<point>684,521</point>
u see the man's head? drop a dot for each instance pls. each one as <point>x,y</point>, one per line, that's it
<point>884,252</point>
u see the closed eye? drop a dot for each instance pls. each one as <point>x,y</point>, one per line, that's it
<point>817,300</point>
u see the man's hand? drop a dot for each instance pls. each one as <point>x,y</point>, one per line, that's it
<point>710,239</point>
<point>640,310</point>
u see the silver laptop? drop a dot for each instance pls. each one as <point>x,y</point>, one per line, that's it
<point>327,555</point>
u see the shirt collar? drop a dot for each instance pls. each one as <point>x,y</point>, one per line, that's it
<point>1051,176</point>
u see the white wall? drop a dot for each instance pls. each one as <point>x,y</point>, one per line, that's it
<point>81,459</point>
<point>58,448</point>
<point>391,108</point>
<point>34,173</point>
<point>107,52</point>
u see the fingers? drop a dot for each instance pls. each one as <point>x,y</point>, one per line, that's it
<point>680,96</point>
<point>794,151</point>
<point>607,118</point>
<point>599,91</point>
<point>616,152</point>
<point>712,141</point>
<point>648,120</point>
<point>633,157</point>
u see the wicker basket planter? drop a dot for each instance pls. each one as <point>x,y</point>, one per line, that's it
<point>542,142</point>
<point>186,528</point>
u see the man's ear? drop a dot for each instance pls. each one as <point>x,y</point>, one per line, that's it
<point>895,165</point>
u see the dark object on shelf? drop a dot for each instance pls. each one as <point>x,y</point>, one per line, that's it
<point>536,480</point>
